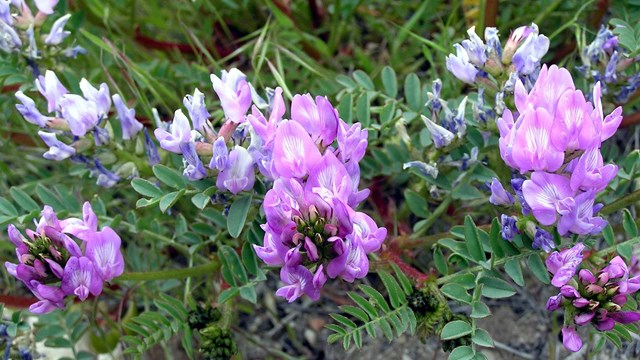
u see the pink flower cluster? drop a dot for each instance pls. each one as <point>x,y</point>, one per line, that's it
<point>592,299</point>
<point>557,134</point>
<point>312,229</point>
<point>52,265</point>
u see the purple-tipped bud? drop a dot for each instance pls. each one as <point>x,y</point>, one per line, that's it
<point>130,126</point>
<point>543,240</point>
<point>499,196</point>
<point>58,33</point>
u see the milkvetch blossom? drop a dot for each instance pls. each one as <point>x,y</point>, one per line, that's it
<point>461,66</point>
<point>127,117</point>
<point>595,298</point>
<point>57,149</point>
<point>29,111</point>
<point>53,266</point>
<point>58,33</point>
<point>234,93</point>
<point>51,88</point>
<point>499,196</point>
<point>197,110</point>
<point>100,97</point>
<point>180,133</point>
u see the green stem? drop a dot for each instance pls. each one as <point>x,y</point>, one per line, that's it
<point>621,203</point>
<point>170,274</point>
<point>437,213</point>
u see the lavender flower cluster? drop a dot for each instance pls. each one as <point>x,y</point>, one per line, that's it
<point>605,61</point>
<point>520,58</point>
<point>52,264</point>
<point>312,229</point>
<point>557,134</point>
<point>16,28</point>
<point>590,299</point>
<point>76,117</point>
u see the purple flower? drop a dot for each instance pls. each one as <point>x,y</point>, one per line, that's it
<point>239,175</point>
<point>84,228</point>
<point>51,298</point>
<point>367,233</point>
<point>10,40</point>
<point>81,115</point>
<point>441,136</point>
<point>329,179</point>
<point>104,251</point>
<point>554,302</point>
<point>130,126</point>
<point>589,172</point>
<point>98,96</point>
<point>220,158</point>
<point>532,145</point>
<point>573,127</point>
<point>193,168</point>
<point>5,12</point>
<point>197,110</point>
<point>294,153</point>
<point>499,196</point>
<point>608,125</point>
<point>579,219</point>
<point>180,133</point>
<point>548,194</point>
<point>80,278</point>
<point>516,37</point>
<point>150,148</point>
<point>563,264</point>
<point>318,118</point>
<point>422,167</point>
<point>516,184</point>
<point>46,6</point>
<point>570,339</point>
<point>351,263</point>
<point>460,66</point>
<point>528,55</point>
<point>551,84</point>
<point>29,111</point>
<point>475,48</point>
<point>57,149</point>
<point>509,227</point>
<point>51,88</point>
<point>234,93</point>
<point>273,250</point>
<point>543,240</point>
<point>57,33</point>
<point>299,281</point>
<point>352,142</point>
<point>266,130</point>
<point>105,178</point>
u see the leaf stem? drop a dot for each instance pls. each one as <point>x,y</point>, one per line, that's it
<point>621,203</point>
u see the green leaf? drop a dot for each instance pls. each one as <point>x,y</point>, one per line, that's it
<point>249,258</point>
<point>439,261</point>
<point>417,203</point>
<point>538,269</point>
<point>363,79</point>
<point>387,113</point>
<point>512,268</point>
<point>170,199</point>
<point>413,92</point>
<point>235,265</point>
<point>455,329</point>
<point>404,280</point>
<point>495,239</point>
<point>461,353</point>
<point>495,288</point>
<point>7,207</point>
<point>345,108</point>
<point>200,200</point>
<point>479,310</point>
<point>228,294</point>
<point>238,215</point>
<point>630,227</point>
<point>376,296</point>
<point>481,337</point>
<point>472,239</point>
<point>355,312</point>
<point>396,295</point>
<point>169,176</point>
<point>146,188</point>
<point>248,293</point>
<point>48,197</point>
<point>363,110</point>
<point>456,292</point>
<point>389,81</point>
<point>608,235</point>
<point>466,192</point>
<point>23,199</point>
<point>364,304</point>
<point>344,321</point>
